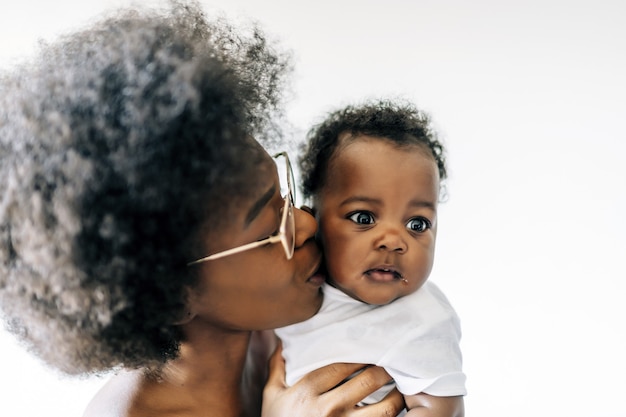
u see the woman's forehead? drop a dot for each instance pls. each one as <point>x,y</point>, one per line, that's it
<point>258,173</point>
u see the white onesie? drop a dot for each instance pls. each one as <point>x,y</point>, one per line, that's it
<point>415,338</point>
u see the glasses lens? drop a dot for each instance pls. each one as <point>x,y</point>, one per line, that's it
<point>290,181</point>
<point>290,230</point>
<point>286,176</point>
<point>288,226</point>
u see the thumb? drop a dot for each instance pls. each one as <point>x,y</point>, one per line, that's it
<point>276,377</point>
<point>308,209</point>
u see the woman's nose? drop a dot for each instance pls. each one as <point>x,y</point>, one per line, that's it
<point>391,240</point>
<point>305,225</point>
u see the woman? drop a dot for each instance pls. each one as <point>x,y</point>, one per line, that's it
<point>127,157</point>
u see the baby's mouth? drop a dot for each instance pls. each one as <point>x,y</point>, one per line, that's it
<point>384,274</point>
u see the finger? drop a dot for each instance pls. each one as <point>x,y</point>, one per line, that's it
<point>363,384</point>
<point>391,405</point>
<point>308,210</point>
<point>328,377</point>
<point>276,377</point>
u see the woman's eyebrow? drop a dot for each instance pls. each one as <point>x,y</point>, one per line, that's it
<point>259,204</point>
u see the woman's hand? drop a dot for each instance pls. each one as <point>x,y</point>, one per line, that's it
<point>317,393</point>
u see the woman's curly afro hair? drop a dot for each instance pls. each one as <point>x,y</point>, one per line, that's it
<point>117,142</point>
<point>399,122</point>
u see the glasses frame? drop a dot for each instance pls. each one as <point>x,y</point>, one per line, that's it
<point>281,236</point>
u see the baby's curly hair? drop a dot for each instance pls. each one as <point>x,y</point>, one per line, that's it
<point>399,122</point>
<point>117,143</point>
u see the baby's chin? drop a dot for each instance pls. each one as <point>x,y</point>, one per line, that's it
<point>379,299</point>
<point>375,294</point>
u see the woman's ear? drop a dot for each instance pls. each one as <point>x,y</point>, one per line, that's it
<point>189,312</point>
<point>187,316</point>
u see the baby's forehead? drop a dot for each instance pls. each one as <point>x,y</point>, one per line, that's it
<point>371,158</point>
<point>407,143</point>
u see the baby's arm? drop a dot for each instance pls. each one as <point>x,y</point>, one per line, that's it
<point>424,405</point>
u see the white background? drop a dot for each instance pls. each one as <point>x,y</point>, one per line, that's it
<point>530,98</point>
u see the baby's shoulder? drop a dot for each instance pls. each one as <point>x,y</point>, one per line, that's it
<point>428,301</point>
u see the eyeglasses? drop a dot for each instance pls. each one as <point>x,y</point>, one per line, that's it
<point>286,231</point>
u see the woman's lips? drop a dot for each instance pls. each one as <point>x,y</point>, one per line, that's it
<point>317,279</point>
<point>318,275</point>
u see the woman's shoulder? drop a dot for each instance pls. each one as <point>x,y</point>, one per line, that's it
<point>115,397</point>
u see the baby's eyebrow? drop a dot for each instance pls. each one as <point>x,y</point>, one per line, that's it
<point>259,204</point>
<point>426,204</point>
<point>360,199</point>
<point>376,201</point>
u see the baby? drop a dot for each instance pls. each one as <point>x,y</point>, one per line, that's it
<point>373,173</point>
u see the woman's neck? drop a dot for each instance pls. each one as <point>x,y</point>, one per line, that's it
<point>211,355</point>
<point>208,377</point>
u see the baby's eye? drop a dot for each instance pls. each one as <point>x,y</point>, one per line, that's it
<point>362,217</point>
<point>418,224</point>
